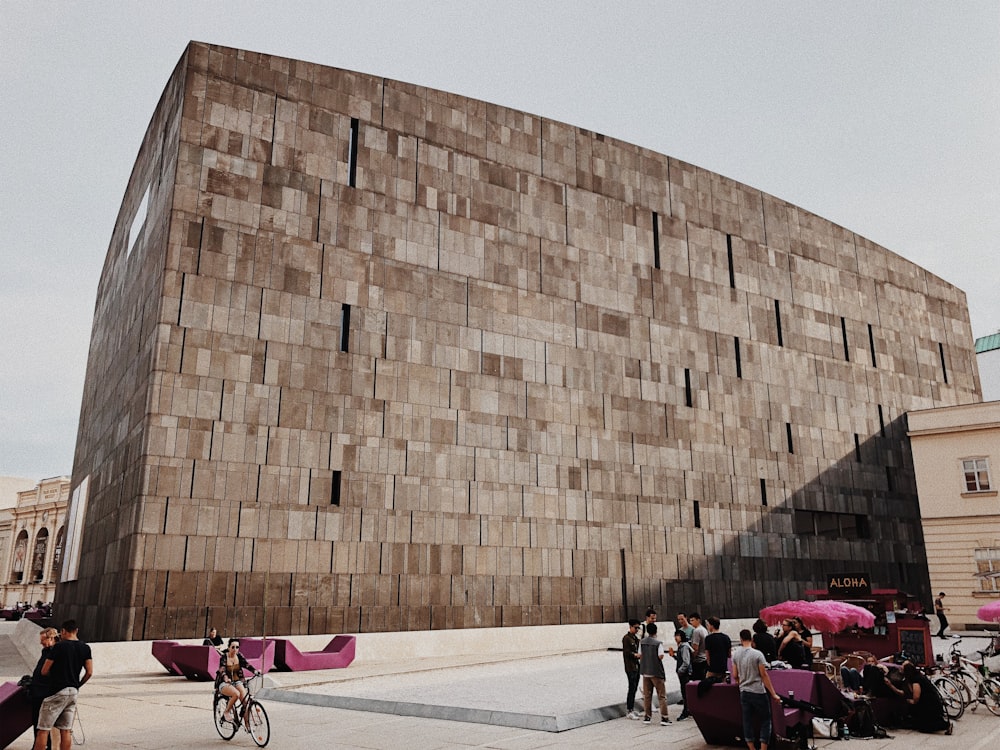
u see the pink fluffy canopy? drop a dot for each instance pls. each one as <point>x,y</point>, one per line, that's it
<point>828,615</point>
<point>989,612</point>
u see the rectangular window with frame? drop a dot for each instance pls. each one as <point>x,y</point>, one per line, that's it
<point>976,473</point>
<point>988,568</point>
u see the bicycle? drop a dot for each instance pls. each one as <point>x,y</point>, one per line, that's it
<point>952,693</point>
<point>248,713</point>
<point>977,685</point>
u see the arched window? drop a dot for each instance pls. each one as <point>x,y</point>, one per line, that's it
<point>38,558</point>
<point>20,553</point>
<point>57,554</point>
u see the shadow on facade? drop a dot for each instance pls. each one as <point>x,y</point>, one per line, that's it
<point>860,515</point>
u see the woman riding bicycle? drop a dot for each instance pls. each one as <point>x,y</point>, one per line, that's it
<point>230,680</point>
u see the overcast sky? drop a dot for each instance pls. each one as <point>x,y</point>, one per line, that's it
<point>883,117</point>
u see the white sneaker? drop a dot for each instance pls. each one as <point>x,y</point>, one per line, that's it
<point>633,715</point>
<point>228,716</point>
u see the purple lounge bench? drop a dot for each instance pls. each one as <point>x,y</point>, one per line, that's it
<point>260,653</point>
<point>162,652</point>
<point>807,686</point>
<point>337,654</point>
<point>720,719</point>
<point>15,713</point>
<point>717,714</point>
<point>195,662</point>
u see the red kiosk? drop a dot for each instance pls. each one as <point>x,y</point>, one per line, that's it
<point>900,622</point>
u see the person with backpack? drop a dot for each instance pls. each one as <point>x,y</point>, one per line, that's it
<point>684,657</point>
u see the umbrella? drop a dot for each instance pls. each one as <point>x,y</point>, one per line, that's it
<point>828,615</point>
<point>989,612</point>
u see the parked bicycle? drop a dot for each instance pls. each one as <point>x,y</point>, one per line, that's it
<point>248,713</point>
<point>951,691</point>
<point>974,679</point>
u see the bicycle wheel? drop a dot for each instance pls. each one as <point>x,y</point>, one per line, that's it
<point>991,695</point>
<point>970,688</point>
<point>226,729</point>
<point>257,724</point>
<point>951,696</point>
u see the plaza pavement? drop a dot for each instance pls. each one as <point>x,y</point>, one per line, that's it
<point>154,711</point>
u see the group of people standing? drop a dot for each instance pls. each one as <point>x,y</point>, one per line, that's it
<point>701,651</point>
<point>65,665</point>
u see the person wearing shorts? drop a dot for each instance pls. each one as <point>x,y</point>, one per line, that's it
<point>68,658</point>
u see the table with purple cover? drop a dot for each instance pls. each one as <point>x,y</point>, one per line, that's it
<point>720,719</point>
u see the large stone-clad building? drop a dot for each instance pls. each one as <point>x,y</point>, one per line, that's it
<point>370,356</point>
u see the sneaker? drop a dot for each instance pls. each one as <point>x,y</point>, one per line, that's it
<point>665,722</point>
<point>647,720</point>
<point>683,716</point>
<point>227,716</point>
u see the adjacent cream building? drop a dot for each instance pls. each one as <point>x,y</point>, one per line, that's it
<point>956,450</point>
<point>32,538</point>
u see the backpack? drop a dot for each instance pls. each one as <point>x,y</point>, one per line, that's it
<point>861,720</point>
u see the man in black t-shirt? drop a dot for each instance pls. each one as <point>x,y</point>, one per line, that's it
<point>68,659</point>
<point>718,646</point>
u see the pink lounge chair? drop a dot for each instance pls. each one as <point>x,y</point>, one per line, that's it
<point>260,656</point>
<point>15,711</point>
<point>337,654</point>
<point>195,662</point>
<point>162,653</point>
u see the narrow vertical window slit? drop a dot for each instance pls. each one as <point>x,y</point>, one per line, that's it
<point>335,489</point>
<point>656,240</point>
<point>345,326</point>
<point>729,253</point>
<point>352,155</point>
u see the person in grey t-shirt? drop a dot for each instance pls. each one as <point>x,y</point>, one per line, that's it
<point>750,671</point>
<point>700,663</point>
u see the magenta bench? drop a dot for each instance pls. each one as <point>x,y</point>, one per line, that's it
<point>195,662</point>
<point>337,654</point>
<point>260,653</point>
<point>15,713</point>
<point>162,652</point>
